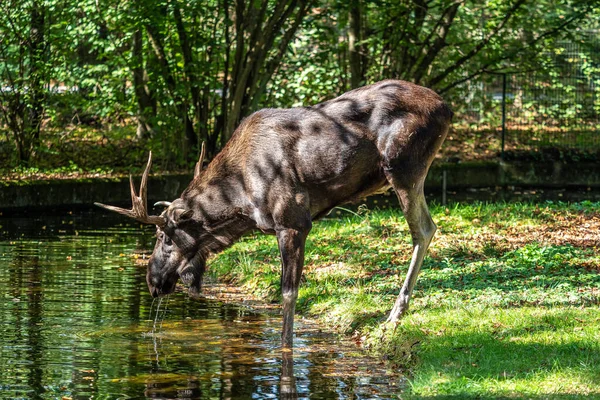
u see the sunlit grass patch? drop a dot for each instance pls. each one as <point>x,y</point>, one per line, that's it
<point>506,303</point>
<point>495,351</point>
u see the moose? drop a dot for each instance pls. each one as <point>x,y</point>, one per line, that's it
<point>284,168</point>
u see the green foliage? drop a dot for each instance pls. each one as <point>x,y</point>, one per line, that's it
<point>181,72</point>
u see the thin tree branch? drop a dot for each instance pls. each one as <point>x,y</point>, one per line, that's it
<point>440,42</point>
<point>478,47</point>
<point>274,63</point>
<point>517,51</point>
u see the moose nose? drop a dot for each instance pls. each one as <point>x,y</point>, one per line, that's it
<point>154,291</point>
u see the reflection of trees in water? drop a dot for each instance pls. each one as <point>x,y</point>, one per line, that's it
<point>76,321</point>
<point>30,277</point>
<point>190,389</point>
<point>60,297</point>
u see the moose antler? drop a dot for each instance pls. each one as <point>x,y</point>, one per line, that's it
<point>198,167</point>
<point>139,210</point>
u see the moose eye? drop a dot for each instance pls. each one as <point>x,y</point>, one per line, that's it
<point>164,238</point>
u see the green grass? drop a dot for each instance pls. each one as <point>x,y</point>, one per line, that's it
<point>506,304</point>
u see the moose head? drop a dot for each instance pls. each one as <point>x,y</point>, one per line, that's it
<point>177,253</point>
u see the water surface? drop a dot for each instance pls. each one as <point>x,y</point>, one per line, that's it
<point>77,321</point>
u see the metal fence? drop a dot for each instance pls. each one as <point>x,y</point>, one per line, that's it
<point>557,107</point>
<point>542,113</point>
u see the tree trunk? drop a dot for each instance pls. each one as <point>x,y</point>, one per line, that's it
<point>356,49</point>
<point>36,73</point>
<point>222,118</point>
<point>181,104</point>
<point>146,103</point>
<point>253,56</point>
<point>192,81</point>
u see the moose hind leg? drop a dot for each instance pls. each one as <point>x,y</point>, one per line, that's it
<point>422,229</point>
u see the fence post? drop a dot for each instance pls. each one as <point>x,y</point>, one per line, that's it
<point>503,115</point>
<point>444,187</point>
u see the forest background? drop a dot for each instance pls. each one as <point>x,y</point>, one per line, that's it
<point>87,87</point>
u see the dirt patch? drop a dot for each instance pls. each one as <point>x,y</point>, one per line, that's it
<point>581,231</point>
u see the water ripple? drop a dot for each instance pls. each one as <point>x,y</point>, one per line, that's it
<point>76,321</point>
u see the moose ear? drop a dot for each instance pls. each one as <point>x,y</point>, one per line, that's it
<point>187,214</point>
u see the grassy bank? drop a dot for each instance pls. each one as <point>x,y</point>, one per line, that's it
<point>506,303</point>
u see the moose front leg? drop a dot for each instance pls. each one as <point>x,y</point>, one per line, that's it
<point>291,246</point>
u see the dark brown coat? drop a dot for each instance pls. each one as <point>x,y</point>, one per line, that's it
<point>284,168</point>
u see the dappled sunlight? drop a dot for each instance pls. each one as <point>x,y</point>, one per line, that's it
<point>506,301</point>
<point>530,275</point>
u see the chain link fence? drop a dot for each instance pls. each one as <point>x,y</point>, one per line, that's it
<point>558,107</point>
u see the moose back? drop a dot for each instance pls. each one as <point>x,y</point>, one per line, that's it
<point>284,168</point>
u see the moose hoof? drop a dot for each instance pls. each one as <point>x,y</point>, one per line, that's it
<point>395,315</point>
<point>194,291</point>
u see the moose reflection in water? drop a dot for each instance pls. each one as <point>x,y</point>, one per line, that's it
<point>282,169</point>
<point>247,354</point>
<point>191,387</point>
<point>287,383</point>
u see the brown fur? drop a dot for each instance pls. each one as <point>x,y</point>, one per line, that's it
<point>284,168</point>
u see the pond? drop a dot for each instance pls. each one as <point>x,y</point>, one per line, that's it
<point>77,322</point>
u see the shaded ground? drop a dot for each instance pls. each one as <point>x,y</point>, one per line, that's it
<point>84,152</point>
